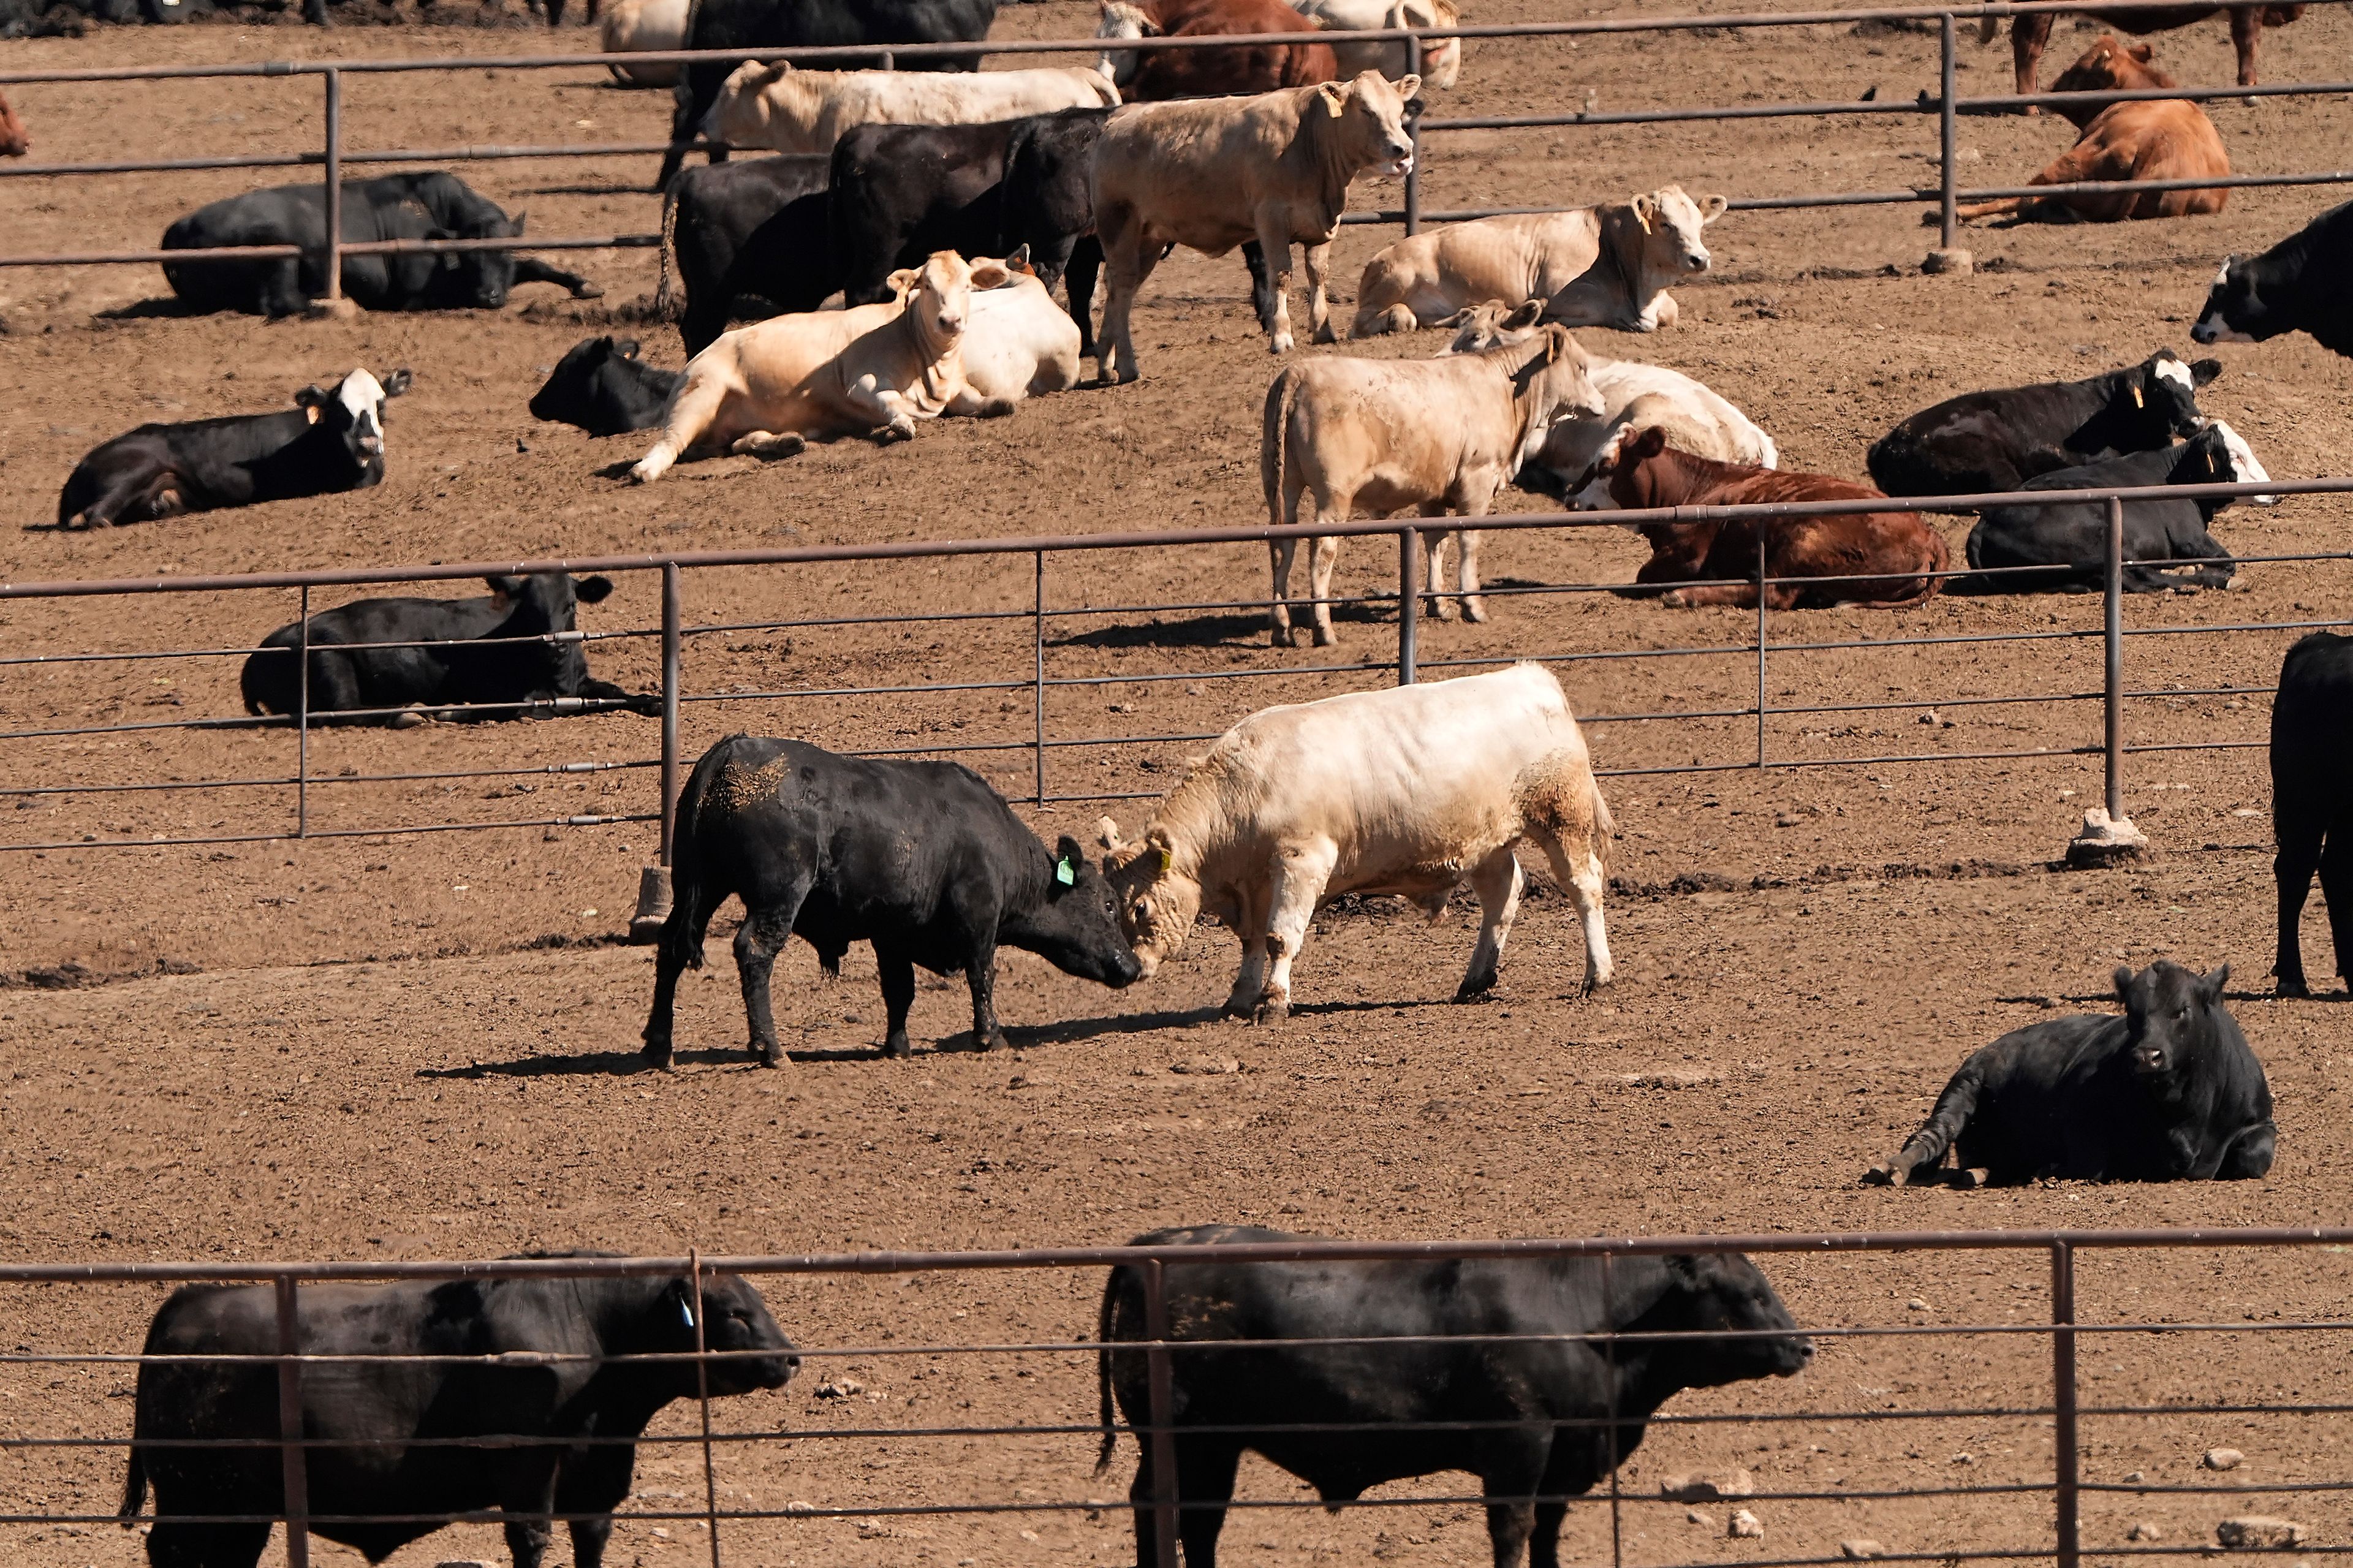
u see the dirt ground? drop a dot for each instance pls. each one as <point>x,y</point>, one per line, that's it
<point>374,1045</point>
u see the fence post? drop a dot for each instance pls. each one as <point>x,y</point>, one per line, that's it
<point>2062,1384</point>
<point>654,895</point>
<point>1038,692</point>
<point>1161,1442</point>
<point>330,303</point>
<point>1761,532</point>
<point>1413,130</point>
<point>1946,256</point>
<point>1408,602</point>
<point>2108,835</point>
<point>302,720</point>
<point>294,1469</point>
<point>702,1395</point>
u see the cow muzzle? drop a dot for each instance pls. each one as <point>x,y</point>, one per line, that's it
<point>1147,964</point>
<point>1696,261</point>
<point>372,446</point>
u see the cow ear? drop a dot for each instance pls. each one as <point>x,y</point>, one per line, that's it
<point>1162,847</point>
<point>1645,209</point>
<point>2212,982</point>
<point>591,590</point>
<point>988,274</point>
<point>903,279</point>
<point>2141,52</point>
<point>1332,97</point>
<point>1648,443</point>
<point>1526,314</point>
<point>626,348</point>
<point>2205,370</point>
<point>1020,260</point>
<point>504,589</point>
<point>1408,87</point>
<point>311,397</point>
<point>2122,980</point>
<point>521,218</point>
<point>1712,207</point>
<point>397,383</point>
<point>1107,835</point>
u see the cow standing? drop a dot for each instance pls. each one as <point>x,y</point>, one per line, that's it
<point>923,860</point>
<point>1410,791</point>
<point>648,26</point>
<point>2167,1092</point>
<point>807,112</point>
<point>2312,798</point>
<point>1279,58</point>
<point>2296,286</point>
<point>1212,173</point>
<point>529,1407</point>
<point>755,230</point>
<point>332,441</point>
<point>1352,437</point>
<point>1490,1375</point>
<point>601,385</point>
<point>2028,34</point>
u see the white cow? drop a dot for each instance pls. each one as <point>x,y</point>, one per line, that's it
<point>1441,59</point>
<point>1633,395</point>
<point>1408,790</point>
<point>1019,342</point>
<point>788,110</point>
<point>632,26</point>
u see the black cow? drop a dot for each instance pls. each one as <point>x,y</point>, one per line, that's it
<point>426,205</point>
<point>923,860</point>
<point>1998,440</point>
<point>750,24</point>
<point>2296,286</point>
<point>368,1422</point>
<point>331,440</point>
<point>2312,798</point>
<point>2071,540</point>
<point>492,650</point>
<point>603,386</point>
<point>754,230</point>
<point>1539,1416</point>
<point>2167,1092</point>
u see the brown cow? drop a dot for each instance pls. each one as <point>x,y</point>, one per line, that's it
<point>14,140</point>
<point>1884,558</point>
<point>2028,34</point>
<point>1159,75</point>
<point>2158,139</point>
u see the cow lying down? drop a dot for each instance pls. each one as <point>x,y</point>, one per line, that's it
<point>2170,1091</point>
<point>602,386</point>
<point>1410,791</point>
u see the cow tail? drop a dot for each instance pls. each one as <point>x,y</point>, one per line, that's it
<point>1987,25</point>
<point>1105,1415</point>
<point>692,901</point>
<point>1281,397</point>
<point>669,236</point>
<point>134,1489</point>
<point>1605,832</point>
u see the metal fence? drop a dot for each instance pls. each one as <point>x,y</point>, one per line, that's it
<point>1946,105</point>
<point>2189,1332</point>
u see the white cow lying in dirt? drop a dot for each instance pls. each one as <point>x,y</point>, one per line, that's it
<point>1632,396</point>
<point>1409,791</point>
<point>1376,437</point>
<point>1019,342</point>
<point>762,390</point>
<point>788,110</point>
<point>1441,59</point>
<point>1607,266</point>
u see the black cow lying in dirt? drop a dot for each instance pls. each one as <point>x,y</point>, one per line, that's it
<point>1564,1392</point>
<point>1998,440</point>
<point>923,860</point>
<point>747,231</point>
<point>2072,542</point>
<point>603,386</point>
<point>492,650</point>
<point>2296,286</point>
<point>2312,798</point>
<point>426,205</point>
<point>2170,1091</point>
<point>328,442</point>
<point>365,1418</point>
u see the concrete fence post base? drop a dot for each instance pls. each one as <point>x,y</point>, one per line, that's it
<point>653,904</point>
<point>2105,841</point>
<point>342,309</point>
<point>1959,263</point>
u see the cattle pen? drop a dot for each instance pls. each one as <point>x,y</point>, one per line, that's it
<point>2036,1367</point>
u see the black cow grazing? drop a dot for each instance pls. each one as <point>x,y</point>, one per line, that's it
<point>331,440</point>
<point>2296,286</point>
<point>603,386</point>
<point>2071,540</point>
<point>428,206</point>
<point>923,860</point>
<point>491,650</point>
<point>750,24</point>
<point>754,230</point>
<point>2312,798</point>
<point>1539,1415</point>
<point>1998,440</point>
<point>372,1425</point>
<point>2167,1092</point>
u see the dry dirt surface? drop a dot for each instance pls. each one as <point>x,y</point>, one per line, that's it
<point>363,1045</point>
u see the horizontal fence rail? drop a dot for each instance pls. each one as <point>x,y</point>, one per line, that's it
<point>2030,1369</point>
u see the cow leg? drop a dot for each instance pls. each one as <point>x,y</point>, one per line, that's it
<point>1262,294</point>
<point>769,445</point>
<point>1279,554</point>
<point>1580,876</point>
<point>1079,292</point>
<point>1497,880</point>
<point>149,491</point>
<point>2249,1157</point>
<point>2300,828</point>
<point>765,931</point>
<point>1299,875</point>
<point>2337,893</point>
<point>204,1545</point>
<point>1129,258</point>
<point>1250,980</point>
<point>897,972</point>
<point>2027,36</point>
<point>691,415</point>
<point>531,269</point>
<point>2247,38</point>
<point>589,1537</point>
<point>530,1489</point>
<point>1323,556</point>
<point>1205,1484</point>
<point>1276,242</point>
<point>980,975</point>
<point>1466,571</point>
<point>1515,1474</point>
<point>1433,547</point>
<point>1318,259</point>
<point>1939,1133</point>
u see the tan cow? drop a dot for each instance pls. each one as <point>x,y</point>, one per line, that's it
<point>1019,342</point>
<point>1367,437</point>
<point>1410,791</point>
<point>633,27</point>
<point>1210,173</point>
<point>762,390</point>
<point>788,110</point>
<point>1606,266</point>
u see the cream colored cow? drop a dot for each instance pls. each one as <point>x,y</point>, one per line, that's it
<point>1441,59</point>
<point>631,27</point>
<point>1019,342</point>
<point>788,110</point>
<point>1410,791</point>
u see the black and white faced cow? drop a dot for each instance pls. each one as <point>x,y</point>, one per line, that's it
<point>2167,1092</point>
<point>1531,1418</point>
<point>484,657</point>
<point>921,858</point>
<point>2312,797</point>
<point>331,440</point>
<point>2296,286</point>
<point>1997,441</point>
<point>603,386</point>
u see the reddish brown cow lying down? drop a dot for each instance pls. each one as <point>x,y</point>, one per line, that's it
<point>14,140</point>
<point>1893,553</point>
<point>2159,139</point>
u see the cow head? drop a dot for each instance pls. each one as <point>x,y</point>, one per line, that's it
<point>1122,20</point>
<point>1490,326</point>
<point>14,140</point>
<point>939,294</point>
<point>1737,1325</point>
<point>1441,59</point>
<point>2218,455</point>
<point>2157,401</point>
<point>743,112</point>
<point>1157,901</point>
<point>1670,222</point>
<point>755,1354</point>
<point>1371,111</point>
<point>1636,471</point>
<point>2169,1017</point>
<point>2108,66</point>
<point>571,386</point>
<point>1075,925</point>
<point>1551,384</point>
<point>2234,313</point>
<point>544,605</point>
<point>352,414</point>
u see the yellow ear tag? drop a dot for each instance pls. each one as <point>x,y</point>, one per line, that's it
<point>1167,859</point>
<point>2138,401</point>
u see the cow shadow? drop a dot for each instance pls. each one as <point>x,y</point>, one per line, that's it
<point>168,307</point>
<point>1216,631</point>
<point>624,188</point>
<point>584,1064</point>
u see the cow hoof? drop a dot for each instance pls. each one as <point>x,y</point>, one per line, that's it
<point>896,1047</point>
<point>657,1054</point>
<point>1282,637</point>
<point>2295,987</point>
<point>1474,611</point>
<point>997,408</point>
<point>408,719</point>
<point>1970,1179</point>
<point>770,1059</point>
<point>1674,599</point>
<point>896,431</point>
<point>1280,346</point>
<point>1271,1011</point>
<point>992,1041</point>
<point>1326,637</point>
<point>1879,1176</point>
<point>1325,334</point>
<point>587,291</point>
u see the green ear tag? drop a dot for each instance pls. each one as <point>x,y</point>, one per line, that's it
<point>1065,875</point>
